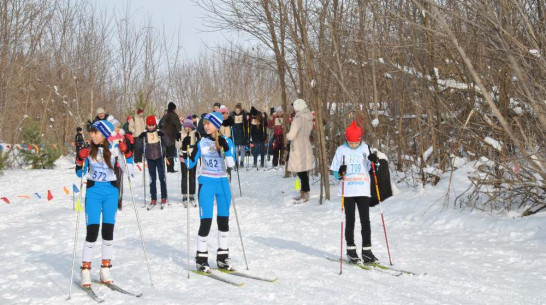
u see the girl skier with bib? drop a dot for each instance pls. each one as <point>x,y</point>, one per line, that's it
<point>98,164</point>
<point>216,154</point>
<point>352,164</point>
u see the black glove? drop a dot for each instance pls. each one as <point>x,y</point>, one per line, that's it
<point>373,158</point>
<point>342,171</point>
<point>178,136</point>
<point>186,142</point>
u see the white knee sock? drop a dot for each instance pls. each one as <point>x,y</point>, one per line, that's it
<point>107,249</point>
<point>223,240</point>
<point>87,255</point>
<point>202,244</point>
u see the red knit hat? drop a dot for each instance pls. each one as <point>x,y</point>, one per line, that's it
<point>353,133</point>
<point>150,120</point>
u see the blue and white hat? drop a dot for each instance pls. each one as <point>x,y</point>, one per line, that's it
<point>215,118</point>
<point>105,127</point>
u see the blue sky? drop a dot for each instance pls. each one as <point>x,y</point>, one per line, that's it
<point>173,14</point>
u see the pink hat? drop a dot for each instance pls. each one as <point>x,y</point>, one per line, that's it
<point>224,109</point>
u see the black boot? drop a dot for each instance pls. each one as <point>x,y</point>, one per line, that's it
<point>202,261</point>
<point>367,256</point>
<point>222,260</point>
<point>352,256</point>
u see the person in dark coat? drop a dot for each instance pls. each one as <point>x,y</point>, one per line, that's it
<point>171,128</point>
<point>240,133</point>
<point>258,135</point>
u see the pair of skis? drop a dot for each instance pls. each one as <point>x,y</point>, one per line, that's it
<point>235,273</point>
<point>376,267</point>
<point>91,293</point>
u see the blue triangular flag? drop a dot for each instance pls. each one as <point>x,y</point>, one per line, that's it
<point>75,188</point>
<point>38,195</point>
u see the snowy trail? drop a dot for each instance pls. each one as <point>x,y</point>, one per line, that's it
<point>469,257</point>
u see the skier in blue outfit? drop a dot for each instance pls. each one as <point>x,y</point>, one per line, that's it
<point>98,162</point>
<point>352,164</point>
<point>216,153</point>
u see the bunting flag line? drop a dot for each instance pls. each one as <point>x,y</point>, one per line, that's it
<point>5,199</point>
<point>66,191</point>
<point>38,195</point>
<point>75,189</point>
<point>49,195</point>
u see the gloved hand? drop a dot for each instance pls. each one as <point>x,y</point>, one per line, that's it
<point>230,163</point>
<point>178,136</point>
<point>342,170</point>
<point>373,158</point>
<point>123,147</point>
<point>82,155</point>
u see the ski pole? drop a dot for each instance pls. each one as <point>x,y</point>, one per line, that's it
<point>138,223</point>
<point>236,216</point>
<point>144,170</point>
<point>76,236</point>
<point>381,210</point>
<point>237,164</point>
<point>188,208</point>
<point>342,219</point>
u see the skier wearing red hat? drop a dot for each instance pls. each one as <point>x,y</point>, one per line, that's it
<point>352,164</point>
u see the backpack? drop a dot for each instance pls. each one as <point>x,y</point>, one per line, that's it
<point>383,181</point>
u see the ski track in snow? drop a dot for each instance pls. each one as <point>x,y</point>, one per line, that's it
<point>469,257</point>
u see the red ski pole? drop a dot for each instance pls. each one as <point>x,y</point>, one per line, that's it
<point>381,210</point>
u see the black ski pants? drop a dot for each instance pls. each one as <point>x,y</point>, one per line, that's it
<point>304,179</point>
<point>364,212</point>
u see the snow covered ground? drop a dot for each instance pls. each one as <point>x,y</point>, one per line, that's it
<point>468,257</point>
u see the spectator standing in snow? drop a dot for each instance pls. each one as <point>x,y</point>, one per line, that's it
<point>136,127</point>
<point>301,152</point>
<point>278,138</point>
<point>171,128</point>
<point>239,133</point>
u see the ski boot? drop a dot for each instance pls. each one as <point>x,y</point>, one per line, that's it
<point>86,274</point>
<point>192,201</point>
<point>105,276</point>
<point>202,261</point>
<point>153,202</point>
<point>119,205</point>
<point>184,199</point>
<point>367,256</point>
<point>352,256</point>
<point>163,202</point>
<point>222,260</point>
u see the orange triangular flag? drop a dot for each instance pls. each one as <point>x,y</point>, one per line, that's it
<point>168,163</point>
<point>66,191</point>
<point>5,199</point>
<point>49,195</point>
<point>36,146</point>
<point>72,144</point>
<point>139,168</point>
<point>55,145</point>
<point>23,196</point>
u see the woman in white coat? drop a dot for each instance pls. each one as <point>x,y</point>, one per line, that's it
<point>301,153</point>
